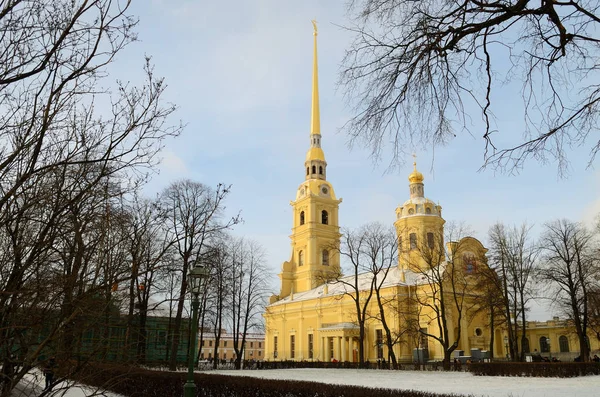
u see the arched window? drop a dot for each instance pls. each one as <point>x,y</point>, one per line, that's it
<point>300,258</point>
<point>563,341</point>
<point>469,263</point>
<point>324,217</point>
<point>526,348</point>
<point>428,210</point>
<point>544,345</point>
<point>314,169</point>
<point>325,258</point>
<point>307,170</point>
<point>302,218</point>
<point>321,170</point>
<point>430,242</point>
<point>413,240</point>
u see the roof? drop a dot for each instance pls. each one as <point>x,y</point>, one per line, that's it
<point>344,285</point>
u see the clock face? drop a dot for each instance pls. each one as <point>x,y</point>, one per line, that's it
<point>324,189</point>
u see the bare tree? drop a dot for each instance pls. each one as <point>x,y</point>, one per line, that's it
<point>417,68</point>
<point>248,285</point>
<point>66,131</point>
<point>195,213</point>
<point>445,295</point>
<point>358,251</point>
<point>514,257</point>
<point>570,269</point>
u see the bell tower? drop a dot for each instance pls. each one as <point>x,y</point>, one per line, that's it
<point>420,228</point>
<point>315,230</point>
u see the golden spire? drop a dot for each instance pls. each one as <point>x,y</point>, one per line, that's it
<point>315,119</point>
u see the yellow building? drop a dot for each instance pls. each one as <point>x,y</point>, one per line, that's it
<point>312,319</point>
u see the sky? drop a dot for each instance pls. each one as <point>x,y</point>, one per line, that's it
<point>240,72</point>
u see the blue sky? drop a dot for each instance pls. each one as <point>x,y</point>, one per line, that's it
<point>240,72</point>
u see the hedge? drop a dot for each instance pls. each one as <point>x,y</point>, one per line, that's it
<point>133,382</point>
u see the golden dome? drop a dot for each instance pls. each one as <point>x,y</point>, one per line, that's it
<point>415,176</point>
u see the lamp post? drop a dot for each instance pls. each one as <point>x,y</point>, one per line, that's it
<point>506,346</point>
<point>195,277</point>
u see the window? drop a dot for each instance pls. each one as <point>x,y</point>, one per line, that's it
<point>210,343</point>
<point>320,170</point>
<point>563,341</point>
<point>413,240</point>
<point>225,343</point>
<point>300,258</point>
<point>411,211</point>
<point>307,170</point>
<point>430,243</point>
<point>379,341</point>
<point>325,258</point>
<point>310,345</point>
<point>544,345</point>
<point>209,356</point>
<point>275,346</point>
<point>251,345</point>
<point>469,263</point>
<point>314,169</point>
<point>260,345</point>
<point>324,217</point>
<point>202,356</point>
<point>203,343</point>
<point>292,346</point>
<point>428,210</point>
<point>423,341</point>
<point>259,353</point>
<point>302,217</point>
<point>478,332</point>
<point>225,356</point>
<point>161,338</point>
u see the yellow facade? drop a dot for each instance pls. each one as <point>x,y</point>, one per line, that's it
<point>311,319</point>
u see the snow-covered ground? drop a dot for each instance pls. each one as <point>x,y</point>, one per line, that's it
<point>32,385</point>
<point>463,383</point>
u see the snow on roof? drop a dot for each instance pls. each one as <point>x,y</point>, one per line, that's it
<point>345,285</point>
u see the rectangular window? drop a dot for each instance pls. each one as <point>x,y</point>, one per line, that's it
<point>161,338</point>
<point>325,258</point>
<point>203,343</point>
<point>430,240</point>
<point>224,356</point>
<point>202,356</point>
<point>224,343</point>
<point>379,340</point>
<point>260,345</point>
<point>275,346</point>
<point>413,240</point>
<point>251,345</point>
<point>292,346</point>
<point>259,353</point>
<point>310,345</point>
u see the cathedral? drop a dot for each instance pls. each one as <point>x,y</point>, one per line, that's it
<point>313,318</point>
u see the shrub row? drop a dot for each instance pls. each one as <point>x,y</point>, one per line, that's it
<point>547,370</point>
<point>133,382</point>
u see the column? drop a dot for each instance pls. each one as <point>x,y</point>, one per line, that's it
<point>339,348</point>
<point>343,347</point>
<point>351,348</point>
<point>321,355</point>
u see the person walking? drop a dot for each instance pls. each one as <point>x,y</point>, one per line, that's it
<point>49,372</point>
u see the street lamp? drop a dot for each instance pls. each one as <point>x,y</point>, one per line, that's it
<point>195,277</point>
<point>506,346</point>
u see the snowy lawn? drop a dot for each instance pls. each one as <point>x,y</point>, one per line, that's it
<point>462,383</point>
<point>32,385</point>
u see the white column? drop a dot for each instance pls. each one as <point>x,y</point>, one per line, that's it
<point>343,346</point>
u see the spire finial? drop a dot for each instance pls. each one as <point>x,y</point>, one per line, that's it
<point>315,119</point>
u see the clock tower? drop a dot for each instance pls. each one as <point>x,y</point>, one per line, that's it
<point>315,230</point>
